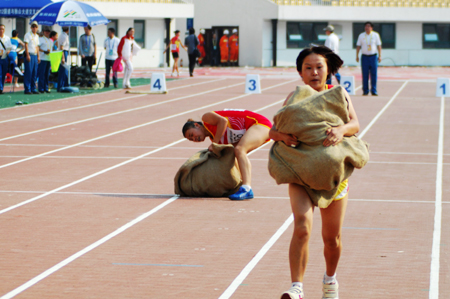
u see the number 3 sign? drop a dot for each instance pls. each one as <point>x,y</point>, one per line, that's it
<point>252,84</point>
<point>443,87</point>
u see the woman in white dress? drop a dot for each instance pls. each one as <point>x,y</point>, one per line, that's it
<point>126,50</point>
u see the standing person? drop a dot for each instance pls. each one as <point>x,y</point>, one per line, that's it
<point>64,45</point>
<point>54,39</point>
<point>45,47</point>
<point>314,65</point>
<point>369,42</point>
<point>191,43</point>
<point>246,130</point>
<point>201,46</point>
<point>126,50</point>
<point>214,50</point>
<point>32,59</point>
<point>223,44</point>
<point>174,45</point>
<point>87,48</point>
<point>5,48</point>
<point>111,45</point>
<point>332,42</point>
<point>13,56</point>
<point>234,48</point>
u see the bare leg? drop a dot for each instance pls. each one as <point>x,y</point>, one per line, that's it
<point>332,221</point>
<point>303,210</point>
<point>175,65</point>
<point>254,137</point>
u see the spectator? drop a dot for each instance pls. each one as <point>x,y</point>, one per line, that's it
<point>88,48</point>
<point>5,48</point>
<point>126,50</point>
<point>54,38</point>
<point>111,46</point>
<point>192,43</point>
<point>223,44</point>
<point>369,42</point>
<point>45,47</point>
<point>214,50</point>
<point>32,59</point>
<point>234,48</point>
<point>174,45</point>
<point>13,57</point>
<point>332,42</point>
<point>64,45</point>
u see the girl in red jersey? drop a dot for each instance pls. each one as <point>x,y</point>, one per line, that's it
<point>244,129</point>
<point>315,65</point>
<point>174,45</point>
<point>126,50</point>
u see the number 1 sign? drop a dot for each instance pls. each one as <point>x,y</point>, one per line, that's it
<point>443,87</point>
<point>348,82</point>
<point>252,84</point>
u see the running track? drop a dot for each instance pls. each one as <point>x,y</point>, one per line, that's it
<point>87,208</point>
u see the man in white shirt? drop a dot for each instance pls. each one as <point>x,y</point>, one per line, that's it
<point>45,47</point>
<point>369,42</point>
<point>332,42</point>
<point>111,45</point>
<point>64,45</point>
<point>5,48</point>
<point>32,59</point>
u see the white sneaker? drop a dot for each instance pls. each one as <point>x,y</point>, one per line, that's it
<point>330,290</point>
<point>293,293</point>
<point>16,85</point>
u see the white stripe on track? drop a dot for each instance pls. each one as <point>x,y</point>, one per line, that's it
<point>118,112</point>
<point>138,126</point>
<point>99,103</point>
<point>436,247</point>
<point>262,252</point>
<point>87,249</point>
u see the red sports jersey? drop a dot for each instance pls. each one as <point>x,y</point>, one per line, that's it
<point>239,120</point>
<point>175,44</point>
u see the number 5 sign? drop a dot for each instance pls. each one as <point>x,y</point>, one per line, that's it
<point>252,84</point>
<point>443,87</point>
<point>158,82</point>
<point>348,82</point>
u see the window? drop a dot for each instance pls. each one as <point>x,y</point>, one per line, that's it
<point>73,37</point>
<point>436,36</point>
<point>139,32</point>
<point>302,34</point>
<point>21,27</point>
<point>113,24</point>
<point>386,31</point>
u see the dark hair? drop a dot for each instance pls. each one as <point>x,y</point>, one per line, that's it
<point>88,27</point>
<point>176,31</point>
<point>14,33</point>
<point>190,124</point>
<point>65,29</point>
<point>334,62</point>
<point>191,31</point>
<point>53,33</point>
<point>2,25</point>
<point>112,30</point>
<point>129,29</point>
<point>370,23</point>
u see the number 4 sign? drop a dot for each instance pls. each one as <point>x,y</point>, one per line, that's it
<point>158,82</point>
<point>443,87</point>
<point>252,84</point>
<point>348,82</point>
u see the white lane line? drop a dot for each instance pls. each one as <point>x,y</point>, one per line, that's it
<point>88,177</point>
<point>255,260</point>
<point>249,267</point>
<point>382,110</point>
<point>87,249</point>
<point>136,127</point>
<point>118,112</point>
<point>436,247</point>
<point>99,103</point>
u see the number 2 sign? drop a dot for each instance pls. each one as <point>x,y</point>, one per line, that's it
<point>348,82</point>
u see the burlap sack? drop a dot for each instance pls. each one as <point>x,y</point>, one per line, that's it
<point>307,115</point>
<point>209,174</point>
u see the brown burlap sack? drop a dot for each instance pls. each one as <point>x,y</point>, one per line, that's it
<point>209,174</point>
<point>307,115</point>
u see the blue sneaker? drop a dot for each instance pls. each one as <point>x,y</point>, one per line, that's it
<point>241,194</point>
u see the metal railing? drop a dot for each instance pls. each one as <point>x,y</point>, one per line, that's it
<point>367,3</point>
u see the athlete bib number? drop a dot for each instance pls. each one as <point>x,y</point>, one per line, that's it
<point>173,47</point>
<point>234,136</point>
